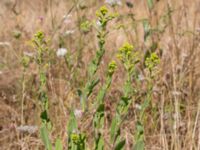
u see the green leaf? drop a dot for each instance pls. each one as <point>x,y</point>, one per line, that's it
<point>113,127</point>
<point>80,93</point>
<point>100,96</point>
<point>99,143</point>
<point>72,124</point>
<point>154,46</point>
<point>100,109</point>
<point>45,137</point>
<point>144,107</point>
<point>91,86</point>
<point>139,136</point>
<point>44,116</point>
<point>87,92</point>
<point>140,131</point>
<point>139,145</point>
<point>71,127</point>
<point>147,29</point>
<point>99,116</point>
<point>120,145</point>
<point>150,4</point>
<point>59,144</point>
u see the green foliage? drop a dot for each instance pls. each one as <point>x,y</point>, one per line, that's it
<point>111,68</point>
<point>152,61</point>
<point>25,61</point>
<point>59,145</point>
<point>76,141</point>
<point>44,133</point>
<point>45,137</point>
<point>72,124</point>
<point>120,145</point>
<point>40,43</point>
<point>150,4</point>
<point>103,18</point>
<point>85,26</point>
<point>99,114</point>
<point>147,29</point>
<point>129,58</point>
<point>139,137</point>
<point>17,34</point>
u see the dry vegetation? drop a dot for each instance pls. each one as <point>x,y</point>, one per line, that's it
<point>172,120</point>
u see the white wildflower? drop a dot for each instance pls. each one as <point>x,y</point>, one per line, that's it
<point>68,32</point>
<point>78,113</point>
<point>61,52</point>
<point>113,2</point>
<point>138,106</point>
<point>29,129</point>
<point>29,54</point>
<point>67,18</point>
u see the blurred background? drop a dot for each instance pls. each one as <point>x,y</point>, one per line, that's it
<point>169,27</point>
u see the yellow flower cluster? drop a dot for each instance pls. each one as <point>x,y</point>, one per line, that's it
<point>152,61</point>
<point>112,67</point>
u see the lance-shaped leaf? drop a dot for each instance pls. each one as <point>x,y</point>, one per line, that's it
<point>45,137</point>
<point>58,144</point>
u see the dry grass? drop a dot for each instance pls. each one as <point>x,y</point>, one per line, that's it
<point>175,122</point>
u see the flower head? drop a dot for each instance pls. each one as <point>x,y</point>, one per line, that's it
<point>39,36</point>
<point>152,61</point>
<point>125,51</point>
<point>25,61</point>
<point>102,11</point>
<point>75,137</point>
<point>113,2</point>
<point>129,56</point>
<point>85,26</point>
<point>78,113</point>
<point>61,52</point>
<point>112,67</point>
